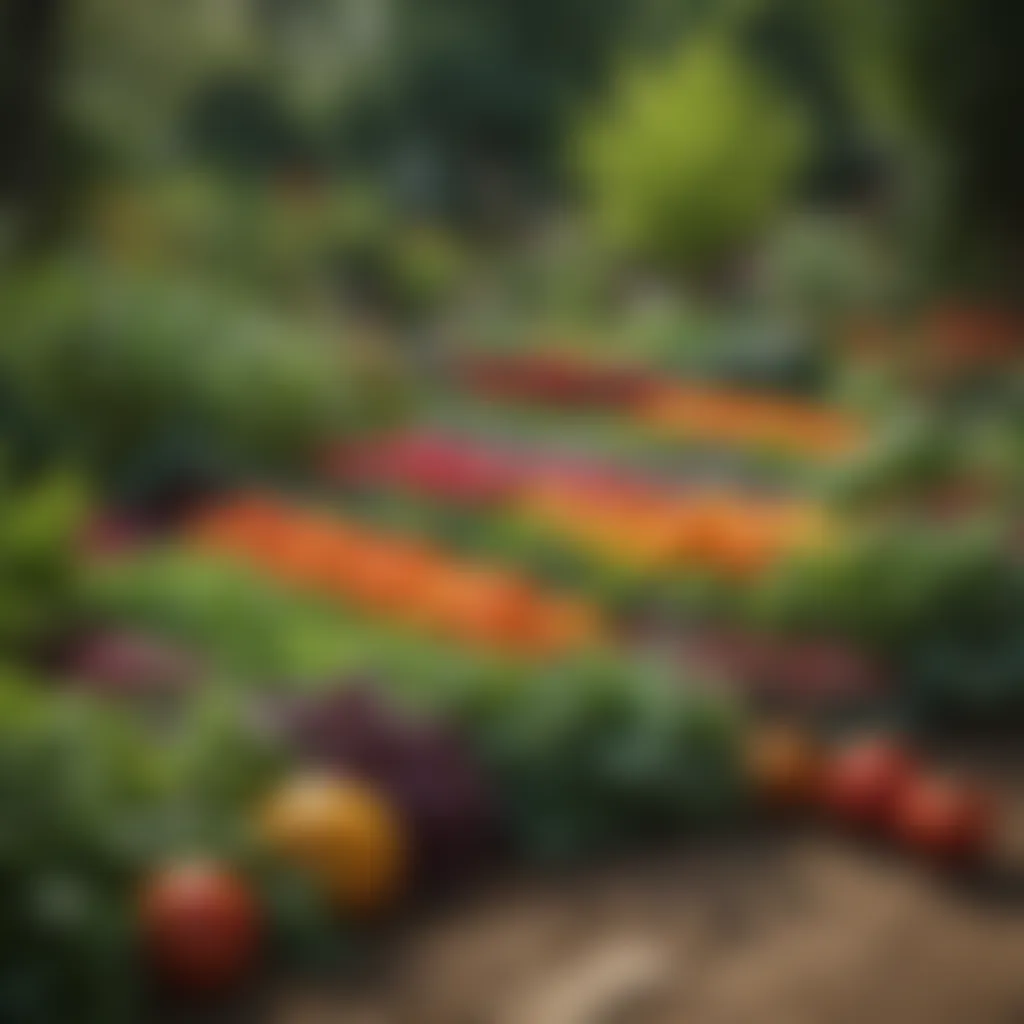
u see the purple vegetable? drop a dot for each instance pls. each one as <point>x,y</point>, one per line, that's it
<point>422,766</point>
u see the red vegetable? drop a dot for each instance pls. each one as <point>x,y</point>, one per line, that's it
<point>201,927</point>
<point>946,821</point>
<point>862,782</point>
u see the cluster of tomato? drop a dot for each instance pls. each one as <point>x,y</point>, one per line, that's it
<point>408,581</point>
<point>202,924</point>
<point>737,418</point>
<point>875,786</point>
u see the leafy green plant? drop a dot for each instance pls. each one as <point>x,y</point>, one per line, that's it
<point>929,454</point>
<point>597,754</point>
<point>259,632</point>
<point>941,606</point>
<point>587,752</point>
<point>142,376</point>
<point>40,523</point>
<point>89,801</point>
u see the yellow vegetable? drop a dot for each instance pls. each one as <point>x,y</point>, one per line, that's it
<point>344,836</point>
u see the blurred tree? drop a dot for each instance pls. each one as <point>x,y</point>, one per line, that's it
<point>133,68</point>
<point>939,81</point>
<point>691,157</point>
<point>475,94</point>
<point>962,63</point>
<point>800,42</point>
<point>30,40</point>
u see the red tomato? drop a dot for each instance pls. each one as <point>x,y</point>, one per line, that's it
<point>862,781</point>
<point>947,821</point>
<point>200,926</point>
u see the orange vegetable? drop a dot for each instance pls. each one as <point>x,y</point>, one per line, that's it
<point>411,582</point>
<point>737,418</point>
<point>783,766</point>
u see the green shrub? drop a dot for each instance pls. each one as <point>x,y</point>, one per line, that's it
<point>690,158</point>
<point>138,376</point>
<point>88,804</point>
<point>941,606</point>
<point>40,522</point>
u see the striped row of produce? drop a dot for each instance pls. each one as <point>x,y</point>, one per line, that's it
<point>735,418</point>
<point>624,518</point>
<point>706,414</point>
<point>411,581</point>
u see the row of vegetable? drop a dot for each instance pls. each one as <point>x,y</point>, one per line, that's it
<point>703,414</point>
<point>414,582</point>
<point>633,525</point>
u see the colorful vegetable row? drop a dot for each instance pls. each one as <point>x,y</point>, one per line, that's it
<point>410,581</point>
<point>734,536</point>
<point>706,414</point>
<point>452,467</point>
<point>722,417</point>
<point>626,518</point>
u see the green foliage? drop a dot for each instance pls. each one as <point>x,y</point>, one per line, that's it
<point>40,523</point>
<point>830,269</point>
<point>481,92</point>
<point>597,754</point>
<point>139,376</point>
<point>302,241</point>
<point>89,801</point>
<point>587,752</point>
<point>922,455</point>
<point>960,67</point>
<point>941,605</point>
<point>886,583</point>
<point>692,157</point>
<point>256,631</point>
<point>912,455</point>
<point>247,627</point>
